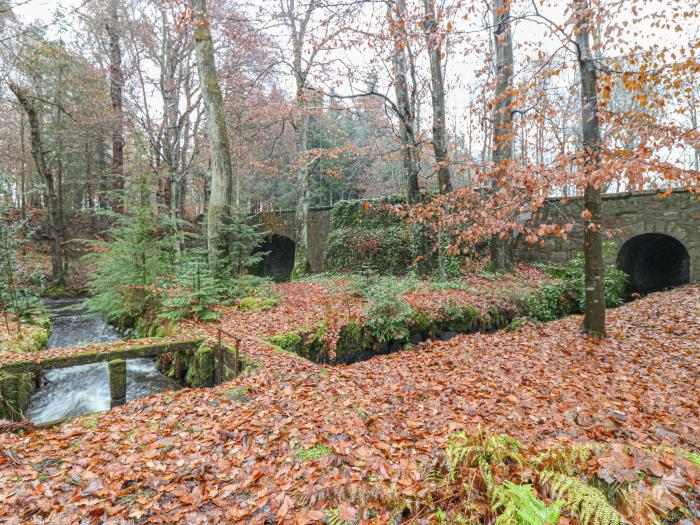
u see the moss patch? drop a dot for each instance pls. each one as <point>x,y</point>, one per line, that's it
<point>35,337</point>
<point>257,303</point>
<point>201,369</point>
<point>313,453</point>
<point>15,391</point>
<point>238,394</point>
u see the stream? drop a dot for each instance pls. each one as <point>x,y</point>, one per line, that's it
<point>84,389</point>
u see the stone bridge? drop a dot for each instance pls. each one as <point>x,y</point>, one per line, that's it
<point>282,239</point>
<point>656,241</point>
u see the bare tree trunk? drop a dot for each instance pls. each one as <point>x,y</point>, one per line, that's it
<point>502,257</point>
<point>59,144</point>
<point>221,165</point>
<point>302,265</point>
<point>404,102</point>
<point>88,177</point>
<point>297,22</point>
<point>594,310</point>
<point>116,85</point>
<point>430,25</point>
<point>23,167</point>
<point>55,217</point>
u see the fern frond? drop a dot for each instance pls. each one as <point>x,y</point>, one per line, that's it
<point>518,505</point>
<point>333,517</point>
<point>565,459</point>
<point>588,503</point>
<point>434,475</point>
<point>482,450</point>
<point>363,494</point>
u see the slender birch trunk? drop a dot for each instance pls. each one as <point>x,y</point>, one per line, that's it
<point>594,310</point>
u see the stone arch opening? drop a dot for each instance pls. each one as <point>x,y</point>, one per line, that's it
<point>278,262</point>
<point>654,262</point>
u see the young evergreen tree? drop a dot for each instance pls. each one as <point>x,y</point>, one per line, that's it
<point>236,243</point>
<point>132,268</point>
<point>9,295</point>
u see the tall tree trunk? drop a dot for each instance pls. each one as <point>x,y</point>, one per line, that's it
<point>221,165</point>
<point>116,85</point>
<point>298,26</point>
<point>302,265</point>
<point>594,310</point>
<point>430,25</point>
<point>55,217</point>
<point>502,256</point>
<point>87,195</point>
<point>404,102</point>
<point>23,167</point>
<point>59,144</point>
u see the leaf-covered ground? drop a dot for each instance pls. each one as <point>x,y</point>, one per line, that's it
<point>272,445</point>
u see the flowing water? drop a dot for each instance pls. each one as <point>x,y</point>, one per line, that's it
<point>83,389</point>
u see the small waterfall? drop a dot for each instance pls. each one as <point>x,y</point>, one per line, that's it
<point>83,389</point>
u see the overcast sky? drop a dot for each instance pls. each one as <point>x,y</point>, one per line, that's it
<point>41,10</point>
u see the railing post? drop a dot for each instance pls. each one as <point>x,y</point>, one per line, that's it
<point>117,382</point>
<point>219,364</point>
<point>220,353</point>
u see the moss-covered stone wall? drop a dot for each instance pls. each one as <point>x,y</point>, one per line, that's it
<point>17,388</point>
<point>197,366</point>
<point>358,342</point>
<point>374,237</point>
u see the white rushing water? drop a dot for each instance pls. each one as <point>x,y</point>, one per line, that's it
<point>84,389</point>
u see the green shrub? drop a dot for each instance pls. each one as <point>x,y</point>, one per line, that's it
<point>388,314</point>
<point>567,294</point>
<point>547,303</point>
<point>572,276</point>
<point>127,285</point>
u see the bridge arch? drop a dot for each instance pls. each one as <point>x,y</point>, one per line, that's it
<point>278,261</point>
<point>654,261</point>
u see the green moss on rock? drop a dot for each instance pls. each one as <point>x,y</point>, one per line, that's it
<point>289,342</point>
<point>15,392</point>
<point>201,369</point>
<point>238,394</point>
<point>117,382</point>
